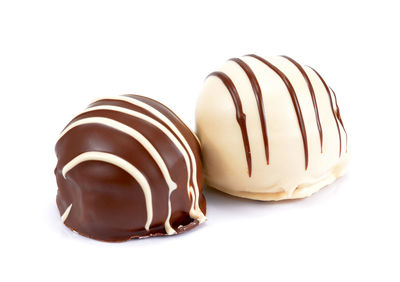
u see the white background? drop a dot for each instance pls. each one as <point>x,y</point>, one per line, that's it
<point>57,56</point>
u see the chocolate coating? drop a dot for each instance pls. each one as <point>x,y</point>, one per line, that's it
<point>108,156</point>
<point>295,102</point>
<point>270,129</point>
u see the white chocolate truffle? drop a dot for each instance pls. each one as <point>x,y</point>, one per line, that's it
<point>270,129</point>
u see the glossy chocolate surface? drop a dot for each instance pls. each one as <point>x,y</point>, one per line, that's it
<point>258,95</point>
<point>109,204</point>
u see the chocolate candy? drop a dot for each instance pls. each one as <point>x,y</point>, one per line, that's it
<point>271,129</point>
<point>128,167</point>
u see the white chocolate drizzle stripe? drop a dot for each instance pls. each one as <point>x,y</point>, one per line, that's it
<point>123,164</point>
<point>66,213</point>
<point>195,212</point>
<point>167,224</point>
<point>142,140</point>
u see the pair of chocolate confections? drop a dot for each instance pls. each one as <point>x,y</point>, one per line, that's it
<point>268,129</point>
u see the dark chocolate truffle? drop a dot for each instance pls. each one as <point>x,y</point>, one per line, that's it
<point>128,167</point>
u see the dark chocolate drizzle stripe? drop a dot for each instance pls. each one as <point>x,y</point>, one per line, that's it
<point>339,117</point>
<point>295,102</point>
<point>332,108</point>
<point>259,99</point>
<point>312,93</point>
<point>240,115</point>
